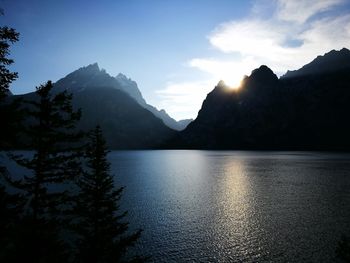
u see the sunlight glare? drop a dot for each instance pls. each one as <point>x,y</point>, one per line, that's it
<point>234,83</point>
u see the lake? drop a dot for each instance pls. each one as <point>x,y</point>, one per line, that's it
<point>231,206</point>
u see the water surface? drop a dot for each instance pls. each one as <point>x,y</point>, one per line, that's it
<point>229,206</point>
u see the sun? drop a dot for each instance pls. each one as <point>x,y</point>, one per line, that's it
<point>234,83</point>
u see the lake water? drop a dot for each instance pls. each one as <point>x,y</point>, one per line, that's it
<point>228,206</point>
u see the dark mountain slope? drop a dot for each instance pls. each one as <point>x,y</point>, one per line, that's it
<point>309,111</point>
<point>319,110</point>
<point>167,120</point>
<point>125,123</point>
<point>93,76</point>
<point>330,62</point>
<point>131,87</point>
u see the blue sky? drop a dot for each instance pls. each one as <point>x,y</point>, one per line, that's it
<point>175,50</point>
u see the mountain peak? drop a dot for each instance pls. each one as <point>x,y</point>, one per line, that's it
<point>220,88</point>
<point>92,77</point>
<point>221,84</point>
<point>263,74</point>
<point>91,67</point>
<point>263,69</point>
<point>87,76</point>
<point>121,76</point>
<point>342,51</point>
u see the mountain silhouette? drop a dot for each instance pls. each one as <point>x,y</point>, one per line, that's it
<point>305,109</point>
<point>126,125</point>
<point>329,62</point>
<point>132,89</point>
<point>92,76</point>
<point>106,102</point>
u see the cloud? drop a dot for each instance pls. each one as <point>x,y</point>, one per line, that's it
<point>248,37</point>
<point>230,71</point>
<point>182,100</point>
<point>287,40</point>
<point>301,10</point>
<point>294,34</point>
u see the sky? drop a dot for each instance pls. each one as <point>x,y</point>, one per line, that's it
<point>177,51</point>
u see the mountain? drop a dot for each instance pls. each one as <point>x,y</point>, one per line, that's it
<point>182,124</point>
<point>105,101</point>
<point>131,87</point>
<point>126,125</point>
<point>307,110</point>
<point>92,76</point>
<point>329,62</point>
<point>89,76</point>
<point>168,121</point>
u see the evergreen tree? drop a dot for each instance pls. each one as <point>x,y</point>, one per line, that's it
<point>343,249</point>
<point>10,210</point>
<point>8,36</point>
<point>54,162</point>
<point>102,233</point>
<point>9,115</point>
<point>10,204</point>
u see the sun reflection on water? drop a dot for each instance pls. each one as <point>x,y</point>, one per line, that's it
<point>237,218</point>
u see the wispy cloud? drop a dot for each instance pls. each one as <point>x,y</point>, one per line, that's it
<point>289,39</point>
<point>293,34</point>
<point>300,11</point>
<point>182,100</point>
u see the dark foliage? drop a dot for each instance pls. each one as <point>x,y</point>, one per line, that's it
<point>8,36</point>
<point>343,249</point>
<point>10,204</point>
<point>100,227</point>
<point>34,222</point>
<point>10,210</point>
<point>54,162</point>
<point>9,113</point>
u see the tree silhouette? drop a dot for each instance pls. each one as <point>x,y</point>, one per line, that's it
<point>10,209</point>
<point>101,230</point>
<point>10,204</point>
<point>8,36</point>
<point>343,249</point>
<point>54,162</point>
<point>9,114</point>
